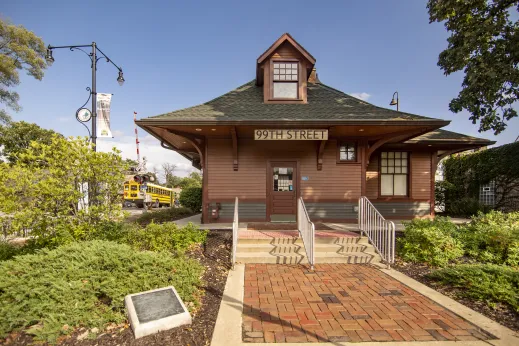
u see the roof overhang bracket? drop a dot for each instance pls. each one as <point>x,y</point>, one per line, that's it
<point>234,148</point>
<point>320,153</point>
<point>197,143</point>
<point>383,140</point>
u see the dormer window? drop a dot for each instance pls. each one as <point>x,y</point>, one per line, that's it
<point>285,80</point>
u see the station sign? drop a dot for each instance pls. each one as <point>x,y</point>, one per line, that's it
<point>291,135</point>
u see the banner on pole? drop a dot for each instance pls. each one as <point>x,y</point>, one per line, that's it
<point>103,115</point>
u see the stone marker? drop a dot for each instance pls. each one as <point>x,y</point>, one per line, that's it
<point>152,311</point>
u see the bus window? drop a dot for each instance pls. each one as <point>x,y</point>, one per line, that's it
<point>126,187</point>
<point>134,187</point>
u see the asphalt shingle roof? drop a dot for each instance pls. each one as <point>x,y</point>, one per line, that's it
<point>444,135</point>
<point>245,103</point>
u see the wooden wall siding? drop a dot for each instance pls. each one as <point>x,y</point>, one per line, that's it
<point>286,51</point>
<point>421,175</point>
<point>246,210</point>
<point>335,211</point>
<point>372,178</point>
<point>393,210</point>
<point>333,182</point>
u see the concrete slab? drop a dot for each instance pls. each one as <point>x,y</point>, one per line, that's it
<point>228,328</point>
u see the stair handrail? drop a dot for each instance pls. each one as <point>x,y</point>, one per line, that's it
<point>306,229</point>
<point>235,226</point>
<point>380,232</point>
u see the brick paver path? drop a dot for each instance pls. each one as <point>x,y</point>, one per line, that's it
<point>342,302</point>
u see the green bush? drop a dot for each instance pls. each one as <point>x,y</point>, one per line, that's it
<point>466,207</point>
<point>493,238</point>
<point>8,250</point>
<point>191,197</point>
<point>164,215</point>
<point>485,282</point>
<point>84,284</point>
<point>430,241</point>
<point>164,237</point>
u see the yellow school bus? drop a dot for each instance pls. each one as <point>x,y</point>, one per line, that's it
<point>160,195</point>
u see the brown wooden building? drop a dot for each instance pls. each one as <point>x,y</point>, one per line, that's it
<point>287,135</point>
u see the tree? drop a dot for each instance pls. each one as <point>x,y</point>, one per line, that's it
<point>44,190</point>
<point>20,49</point>
<point>167,172</point>
<point>484,43</point>
<point>16,137</point>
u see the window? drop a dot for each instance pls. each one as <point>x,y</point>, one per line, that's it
<point>348,152</point>
<point>393,173</point>
<point>285,80</point>
<point>283,178</point>
<point>134,187</point>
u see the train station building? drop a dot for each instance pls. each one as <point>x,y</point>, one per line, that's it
<point>286,135</point>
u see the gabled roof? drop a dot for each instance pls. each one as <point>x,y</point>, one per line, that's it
<point>279,42</point>
<point>245,104</point>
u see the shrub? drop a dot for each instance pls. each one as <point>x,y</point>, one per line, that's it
<point>430,241</point>
<point>164,237</point>
<point>8,250</point>
<point>466,207</point>
<point>493,237</point>
<point>165,215</point>
<point>485,282</point>
<point>191,197</point>
<point>84,284</point>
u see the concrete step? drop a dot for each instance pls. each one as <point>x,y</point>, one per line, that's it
<point>323,257</point>
<point>299,241</point>
<point>298,248</point>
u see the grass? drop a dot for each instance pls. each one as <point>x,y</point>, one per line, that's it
<point>84,284</point>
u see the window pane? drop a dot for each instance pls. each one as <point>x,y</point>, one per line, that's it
<point>351,156</point>
<point>282,71</point>
<point>276,77</point>
<point>282,77</point>
<point>386,184</point>
<point>391,154</point>
<point>398,162</point>
<point>391,169</point>
<point>384,169</point>
<point>282,65</point>
<point>404,169</point>
<point>276,65</point>
<point>384,154</point>
<point>404,155</point>
<point>276,71</point>
<point>400,185</point>
<point>398,170</point>
<point>294,65</point>
<point>383,162</point>
<point>391,162</point>
<point>285,90</point>
<point>294,72</point>
<point>404,162</point>
<point>397,155</point>
<point>343,155</point>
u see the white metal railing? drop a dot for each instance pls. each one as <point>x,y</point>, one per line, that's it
<point>235,226</point>
<point>307,231</point>
<point>380,232</point>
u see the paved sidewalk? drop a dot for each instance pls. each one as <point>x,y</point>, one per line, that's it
<point>342,303</point>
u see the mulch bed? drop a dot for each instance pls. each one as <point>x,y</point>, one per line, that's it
<point>502,313</point>
<point>282,226</point>
<point>215,257</point>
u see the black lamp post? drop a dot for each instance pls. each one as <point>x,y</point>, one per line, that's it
<point>393,101</point>
<point>93,94</point>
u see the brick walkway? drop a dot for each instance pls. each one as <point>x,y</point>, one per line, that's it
<point>342,302</point>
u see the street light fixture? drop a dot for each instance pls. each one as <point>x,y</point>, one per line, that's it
<point>395,102</point>
<point>93,94</point>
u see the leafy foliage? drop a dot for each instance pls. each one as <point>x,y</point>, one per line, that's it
<point>45,190</point>
<point>464,175</point>
<point>492,237</point>
<point>84,284</point>
<point>485,282</point>
<point>191,197</point>
<point>483,43</point>
<point>430,241</point>
<point>164,215</point>
<point>16,137</point>
<point>164,237</point>
<point>20,49</point>
<point>194,179</point>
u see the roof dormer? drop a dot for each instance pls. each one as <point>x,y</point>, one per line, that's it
<point>283,71</point>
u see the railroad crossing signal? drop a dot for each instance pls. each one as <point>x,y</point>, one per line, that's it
<point>144,178</point>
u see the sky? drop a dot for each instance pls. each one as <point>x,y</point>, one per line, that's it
<point>177,54</point>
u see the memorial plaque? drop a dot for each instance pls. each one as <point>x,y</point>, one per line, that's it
<point>152,311</point>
